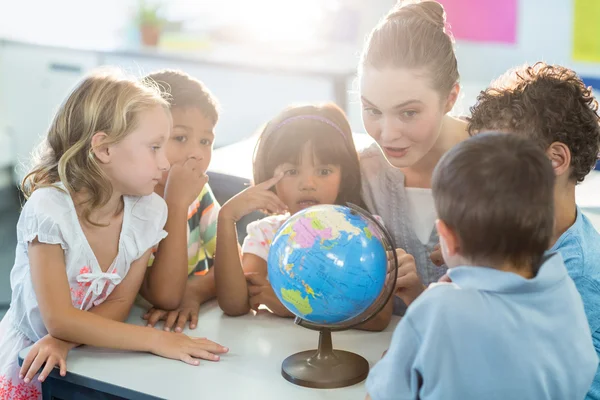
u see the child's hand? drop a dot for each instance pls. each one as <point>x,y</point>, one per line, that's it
<point>178,346</point>
<point>187,311</point>
<point>53,352</point>
<point>184,183</point>
<point>436,256</point>
<point>408,284</point>
<point>255,198</point>
<point>260,292</point>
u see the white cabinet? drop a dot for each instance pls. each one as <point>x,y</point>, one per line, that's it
<point>33,83</point>
<point>248,98</point>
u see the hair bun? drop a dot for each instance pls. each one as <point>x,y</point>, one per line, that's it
<point>427,11</point>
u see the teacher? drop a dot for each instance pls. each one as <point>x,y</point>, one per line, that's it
<point>409,82</point>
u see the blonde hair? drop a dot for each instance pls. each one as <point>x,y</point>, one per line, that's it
<point>413,35</point>
<point>105,101</point>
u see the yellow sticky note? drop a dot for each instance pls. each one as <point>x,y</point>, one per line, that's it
<point>586,30</point>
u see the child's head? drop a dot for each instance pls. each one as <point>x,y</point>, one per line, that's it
<point>195,113</point>
<point>108,136</point>
<point>408,80</point>
<point>550,105</point>
<point>313,147</point>
<point>495,202</point>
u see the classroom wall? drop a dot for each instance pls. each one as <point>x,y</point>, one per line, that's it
<point>544,32</point>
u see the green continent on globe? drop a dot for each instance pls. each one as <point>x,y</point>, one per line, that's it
<point>317,224</point>
<point>295,297</point>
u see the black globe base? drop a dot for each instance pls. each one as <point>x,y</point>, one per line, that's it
<point>325,368</point>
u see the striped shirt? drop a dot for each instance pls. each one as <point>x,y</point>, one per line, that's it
<point>201,232</point>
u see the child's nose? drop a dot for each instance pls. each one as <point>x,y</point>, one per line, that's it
<point>196,153</point>
<point>163,163</point>
<point>307,182</point>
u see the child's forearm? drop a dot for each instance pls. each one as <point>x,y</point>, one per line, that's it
<point>88,328</point>
<point>165,281</point>
<point>231,286</point>
<point>117,310</point>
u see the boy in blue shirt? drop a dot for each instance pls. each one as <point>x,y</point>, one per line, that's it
<point>511,325</point>
<point>551,105</point>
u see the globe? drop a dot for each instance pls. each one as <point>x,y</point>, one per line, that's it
<point>334,268</point>
<point>327,264</point>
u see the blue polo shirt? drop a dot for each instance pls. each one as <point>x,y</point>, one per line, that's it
<point>579,247</point>
<point>491,335</point>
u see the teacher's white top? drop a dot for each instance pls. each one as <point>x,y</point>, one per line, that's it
<point>251,370</point>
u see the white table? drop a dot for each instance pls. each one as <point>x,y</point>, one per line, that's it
<point>251,370</point>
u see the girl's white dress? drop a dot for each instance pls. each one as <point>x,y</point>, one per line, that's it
<point>49,215</point>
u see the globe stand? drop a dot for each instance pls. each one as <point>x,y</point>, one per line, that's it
<point>326,368</point>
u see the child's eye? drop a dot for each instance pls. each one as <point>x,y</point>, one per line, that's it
<point>372,111</point>
<point>325,171</point>
<point>291,172</point>
<point>409,113</point>
<point>206,142</point>
<point>180,138</point>
<point>155,148</point>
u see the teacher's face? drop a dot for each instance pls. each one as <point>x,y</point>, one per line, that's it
<point>401,112</point>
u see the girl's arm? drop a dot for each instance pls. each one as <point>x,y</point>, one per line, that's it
<point>52,351</point>
<point>231,287</point>
<point>65,322</point>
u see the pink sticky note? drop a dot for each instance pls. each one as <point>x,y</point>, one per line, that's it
<point>482,20</point>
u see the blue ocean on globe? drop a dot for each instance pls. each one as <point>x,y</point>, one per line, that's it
<point>327,264</point>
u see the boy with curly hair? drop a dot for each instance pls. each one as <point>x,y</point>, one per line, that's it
<point>551,105</point>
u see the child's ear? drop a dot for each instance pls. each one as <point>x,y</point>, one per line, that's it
<point>448,239</point>
<point>100,149</point>
<point>560,157</point>
<point>452,97</point>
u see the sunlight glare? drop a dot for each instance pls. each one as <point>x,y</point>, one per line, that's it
<point>282,21</point>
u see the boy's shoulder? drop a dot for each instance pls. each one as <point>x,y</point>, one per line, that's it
<point>579,247</point>
<point>442,304</point>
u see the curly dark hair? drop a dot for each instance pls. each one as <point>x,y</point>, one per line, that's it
<point>186,92</point>
<point>548,103</point>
